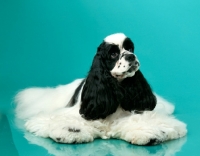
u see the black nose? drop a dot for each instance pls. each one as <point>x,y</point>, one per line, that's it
<point>129,57</point>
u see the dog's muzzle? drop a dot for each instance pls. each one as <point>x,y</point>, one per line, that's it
<point>126,66</point>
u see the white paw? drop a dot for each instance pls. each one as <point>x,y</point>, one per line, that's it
<point>148,136</point>
<point>148,128</point>
<point>60,128</point>
<point>70,134</point>
<point>66,129</point>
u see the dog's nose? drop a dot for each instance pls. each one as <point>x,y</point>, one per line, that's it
<point>130,57</point>
<point>136,63</point>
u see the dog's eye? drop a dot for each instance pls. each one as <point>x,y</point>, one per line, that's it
<point>114,55</point>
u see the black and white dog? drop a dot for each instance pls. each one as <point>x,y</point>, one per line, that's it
<point>113,101</point>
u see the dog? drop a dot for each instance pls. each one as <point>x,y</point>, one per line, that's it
<point>113,101</point>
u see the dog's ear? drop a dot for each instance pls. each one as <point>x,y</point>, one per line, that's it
<point>138,94</point>
<point>100,96</point>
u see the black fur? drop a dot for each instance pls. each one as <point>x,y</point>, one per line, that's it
<point>75,95</point>
<point>128,45</point>
<point>138,95</point>
<point>101,95</point>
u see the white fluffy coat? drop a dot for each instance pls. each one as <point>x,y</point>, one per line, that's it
<point>46,114</point>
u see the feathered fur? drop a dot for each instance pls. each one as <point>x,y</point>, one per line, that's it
<point>138,95</point>
<point>101,93</point>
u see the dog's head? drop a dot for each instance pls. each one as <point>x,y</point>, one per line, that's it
<point>108,83</point>
<point>124,61</point>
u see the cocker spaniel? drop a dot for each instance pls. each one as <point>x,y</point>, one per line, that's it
<point>113,101</point>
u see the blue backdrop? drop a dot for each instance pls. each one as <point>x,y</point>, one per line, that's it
<point>46,43</point>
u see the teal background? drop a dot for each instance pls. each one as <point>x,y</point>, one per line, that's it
<point>49,42</point>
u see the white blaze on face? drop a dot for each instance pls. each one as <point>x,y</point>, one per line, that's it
<point>125,68</point>
<point>121,66</point>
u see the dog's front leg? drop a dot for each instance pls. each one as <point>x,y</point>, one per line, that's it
<point>148,128</point>
<point>63,127</point>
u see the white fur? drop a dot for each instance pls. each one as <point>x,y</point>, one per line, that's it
<point>47,115</point>
<point>122,66</point>
<point>116,39</point>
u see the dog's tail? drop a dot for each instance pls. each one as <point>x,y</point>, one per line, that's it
<point>33,101</point>
<point>163,106</point>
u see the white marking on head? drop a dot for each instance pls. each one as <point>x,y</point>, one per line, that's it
<point>116,39</point>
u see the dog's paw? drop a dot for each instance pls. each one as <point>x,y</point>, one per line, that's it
<point>61,128</point>
<point>70,134</point>
<point>144,137</point>
<point>149,128</point>
<point>155,135</point>
<point>70,130</point>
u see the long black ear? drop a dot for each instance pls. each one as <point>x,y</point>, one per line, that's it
<point>100,96</point>
<point>138,94</point>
